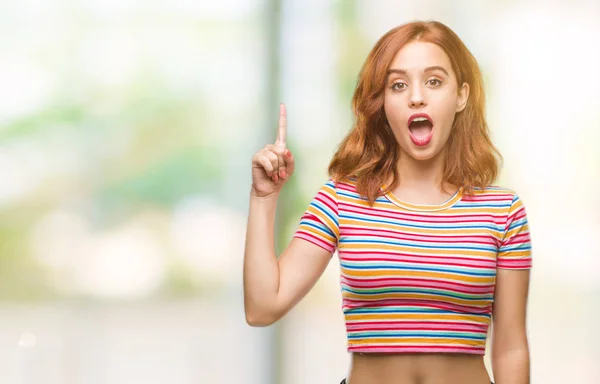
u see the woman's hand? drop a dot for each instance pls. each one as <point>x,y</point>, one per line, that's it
<point>273,165</point>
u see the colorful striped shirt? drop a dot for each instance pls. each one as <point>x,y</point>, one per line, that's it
<point>418,278</point>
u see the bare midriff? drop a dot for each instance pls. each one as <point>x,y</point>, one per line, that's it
<point>423,368</point>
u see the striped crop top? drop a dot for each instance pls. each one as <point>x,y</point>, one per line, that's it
<point>418,278</point>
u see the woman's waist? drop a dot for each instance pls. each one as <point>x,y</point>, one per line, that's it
<point>409,368</point>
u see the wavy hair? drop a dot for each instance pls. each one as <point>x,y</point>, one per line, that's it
<point>370,152</point>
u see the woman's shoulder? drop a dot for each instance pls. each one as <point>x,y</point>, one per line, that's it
<point>494,190</point>
<point>345,185</point>
<point>493,193</point>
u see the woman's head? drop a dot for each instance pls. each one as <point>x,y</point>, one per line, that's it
<point>421,98</point>
<point>418,68</point>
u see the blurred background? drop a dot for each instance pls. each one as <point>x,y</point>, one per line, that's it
<point>127,129</point>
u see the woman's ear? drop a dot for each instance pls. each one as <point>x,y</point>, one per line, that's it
<point>463,96</point>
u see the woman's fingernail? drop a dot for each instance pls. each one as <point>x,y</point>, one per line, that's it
<point>283,174</point>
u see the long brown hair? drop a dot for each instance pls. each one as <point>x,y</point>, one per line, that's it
<point>370,151</point>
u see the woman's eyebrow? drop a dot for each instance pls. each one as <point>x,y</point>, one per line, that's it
<point>428,69</point>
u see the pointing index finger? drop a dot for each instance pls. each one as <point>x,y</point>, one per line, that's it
<point>282,129</point>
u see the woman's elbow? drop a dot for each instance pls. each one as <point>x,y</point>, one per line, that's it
<point>260,318</point>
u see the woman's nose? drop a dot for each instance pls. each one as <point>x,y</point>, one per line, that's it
<point>417,98</point>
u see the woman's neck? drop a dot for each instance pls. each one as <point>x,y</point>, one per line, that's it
<point>421,182</point>
<point>421,173</point>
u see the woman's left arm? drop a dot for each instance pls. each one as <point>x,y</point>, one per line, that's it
<point>510,347</point>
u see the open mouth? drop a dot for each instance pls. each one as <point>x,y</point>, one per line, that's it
<point>421,129</point>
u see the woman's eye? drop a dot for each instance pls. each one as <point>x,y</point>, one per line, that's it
<point>398,86</point>
<point>435,82</point>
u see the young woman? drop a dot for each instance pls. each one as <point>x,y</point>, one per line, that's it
<point>431,252</point>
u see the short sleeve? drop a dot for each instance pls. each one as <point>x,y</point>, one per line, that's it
<point>319,223</point>
<point>515,248</point>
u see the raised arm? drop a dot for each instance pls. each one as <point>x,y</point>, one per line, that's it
<point>272,286</point>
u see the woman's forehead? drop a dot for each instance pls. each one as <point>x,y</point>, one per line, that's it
<point>420,57</point>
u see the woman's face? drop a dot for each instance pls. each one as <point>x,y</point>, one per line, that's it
<point>421,99</point>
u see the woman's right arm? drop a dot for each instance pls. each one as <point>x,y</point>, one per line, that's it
<point>272,286</point>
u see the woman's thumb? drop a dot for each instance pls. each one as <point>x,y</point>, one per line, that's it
<point>289,162</point>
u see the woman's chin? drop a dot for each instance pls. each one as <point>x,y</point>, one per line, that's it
<point>422,153</point>
<point>422,156</point>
